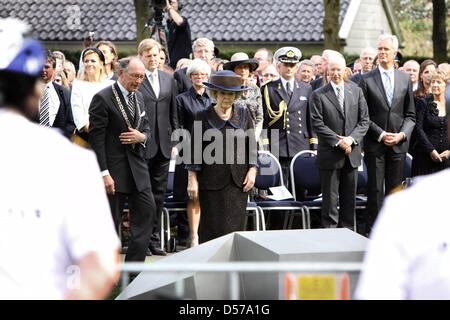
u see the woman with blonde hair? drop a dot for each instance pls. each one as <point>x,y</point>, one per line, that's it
<point>89,82</point>
<point>432,147</point>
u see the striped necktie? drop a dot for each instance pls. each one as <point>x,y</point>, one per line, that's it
<point>130,97</point>
<point>44,115</point>
<point>388,88</point>
<point>340,98</point>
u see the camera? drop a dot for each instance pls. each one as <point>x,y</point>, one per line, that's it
<point>158,10</point>
<point>158,4</point>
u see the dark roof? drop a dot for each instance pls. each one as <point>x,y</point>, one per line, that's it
<point>258,20</point>
<point>219,20</point>
<point>71,20</point>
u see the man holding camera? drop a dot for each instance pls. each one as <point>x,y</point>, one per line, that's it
<point>178,34</point>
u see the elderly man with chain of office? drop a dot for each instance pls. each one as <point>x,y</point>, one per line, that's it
<point>286,110</point>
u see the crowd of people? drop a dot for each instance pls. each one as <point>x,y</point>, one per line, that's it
<point>127,112</point>
<point>383,119</point>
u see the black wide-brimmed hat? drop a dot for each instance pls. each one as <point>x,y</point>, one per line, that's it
<point>241,58</point>
<point>225,80</point>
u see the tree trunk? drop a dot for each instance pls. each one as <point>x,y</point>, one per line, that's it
<point>143,12</point>
<point>331,25</point>
<point>439,31</point>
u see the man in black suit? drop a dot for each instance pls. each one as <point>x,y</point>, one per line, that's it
<point>286,111</point>
<point>159,91</point>
<point>118,133</point>
<point>366,57</point>
<point>340,118</point>
<point>389,97</point>
<point>202,48</point>
<point>54,108</point>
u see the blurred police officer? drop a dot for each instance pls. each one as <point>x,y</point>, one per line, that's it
<point>48,249</point>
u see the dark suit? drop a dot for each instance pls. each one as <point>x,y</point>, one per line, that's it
<point>317,83</point>
<point>296,132</point>
<point>64,117</point>
<point>385,164</point>
<point>163,118</point>
<point>356,78</point>
<point>182,80</point>
<point>126,165</point>
<point>338,172</point>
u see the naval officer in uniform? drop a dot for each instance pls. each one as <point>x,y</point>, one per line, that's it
<point>285,107</point>
<point>287,119</point>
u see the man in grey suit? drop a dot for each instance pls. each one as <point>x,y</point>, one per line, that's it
<point>389,97</point>
<point>340,118</point>
<point>117,134</point>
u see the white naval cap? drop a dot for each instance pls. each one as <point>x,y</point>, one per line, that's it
<point>288,55</point>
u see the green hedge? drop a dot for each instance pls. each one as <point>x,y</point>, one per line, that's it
<point>74,55</point>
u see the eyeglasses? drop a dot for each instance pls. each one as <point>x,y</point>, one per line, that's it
<point>137,76</point>
<point>195,74</point>
<point>269,75</point>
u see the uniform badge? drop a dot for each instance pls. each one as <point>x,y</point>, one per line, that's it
<point>290,54</point>
<point>303,98</point>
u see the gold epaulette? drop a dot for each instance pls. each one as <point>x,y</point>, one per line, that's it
<point>397,189</point>
<point>275,115</point>
<point>313,141</point>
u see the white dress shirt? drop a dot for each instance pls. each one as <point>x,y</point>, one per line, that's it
<point>124,91</point>
<point>153,78</point>
<point>291,83</point>
<point>408,256</point>
<point>390,72</point>
<point>341,87</point>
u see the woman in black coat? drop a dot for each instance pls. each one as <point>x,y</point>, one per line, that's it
<point>432,147</point>
<point>225,159</point>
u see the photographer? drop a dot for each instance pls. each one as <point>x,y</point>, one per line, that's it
<point>178,33</point>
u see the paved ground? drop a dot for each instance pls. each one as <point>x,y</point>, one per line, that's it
<point>154,258</point>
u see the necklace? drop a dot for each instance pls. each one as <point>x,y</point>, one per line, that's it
<point>122,110</point>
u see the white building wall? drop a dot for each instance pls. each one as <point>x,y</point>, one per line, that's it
<point>369,22</point>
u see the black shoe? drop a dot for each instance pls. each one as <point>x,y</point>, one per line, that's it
<point>148,252</point>
<point>157,251</point>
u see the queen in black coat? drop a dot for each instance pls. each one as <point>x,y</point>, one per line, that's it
<point>222,181</point>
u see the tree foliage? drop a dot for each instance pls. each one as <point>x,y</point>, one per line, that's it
<point>330,21</point>
<point>416,22</point>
